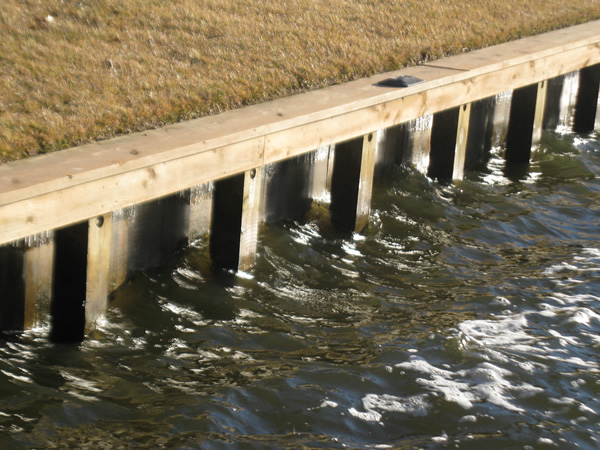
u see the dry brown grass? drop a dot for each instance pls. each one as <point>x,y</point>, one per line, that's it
<point>74,71</point>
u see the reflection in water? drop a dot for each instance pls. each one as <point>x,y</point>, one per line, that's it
<point>466,315</point>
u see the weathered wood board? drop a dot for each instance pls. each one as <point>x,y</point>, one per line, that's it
<point>58,189</point>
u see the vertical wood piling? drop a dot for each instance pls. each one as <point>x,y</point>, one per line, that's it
<point>38,283</point>
<point>25,282</point>
<point>460,150</point>
<point>132,209</point>
<point>250,218</point>
<point>365,186</point>
<point>540,107</point>
<point>98,269</point>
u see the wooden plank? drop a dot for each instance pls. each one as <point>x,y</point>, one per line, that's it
<point>98,261</point>
<point>290,142</point>
<point>365,184</point>
<point>97,197</point>
<point>120,252</point>
<point>251,207</point>
<point>460,152</point>
<point>97,178</point>
<point>37,273</point>
<point>540,108</point>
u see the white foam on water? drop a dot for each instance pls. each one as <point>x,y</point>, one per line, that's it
<point>546,441</point>
<point>468,419</point>
<point>505,330</point>
<point>562,328</point>
<point>416,406</point>
<point>368,416</point>
<point>418,364</point>
<point>22,378</point>
<point>440,439</point>
<point>453,391</point>
<point>328,404</point>
<point>374,405</point>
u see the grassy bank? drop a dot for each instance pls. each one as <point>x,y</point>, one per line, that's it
<point>75,71</point>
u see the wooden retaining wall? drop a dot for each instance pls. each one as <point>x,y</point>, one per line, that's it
<point>75,224</point>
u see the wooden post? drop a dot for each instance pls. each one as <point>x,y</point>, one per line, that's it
<point>251,204</point>
<point>352,183</point>
<point>460,149</point>
<point>120,247</point>
<point>25,282</point>
<point>98,264</point>
<point>444,131</point>
<point>540,107</point>
<point>587,99</point>
<point>525,122</point>
<point>365,187</point>
<point>38,284</point>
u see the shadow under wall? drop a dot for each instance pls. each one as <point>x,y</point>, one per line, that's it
<point>67,308</point>
<point>12,288</point>
<point>345,184</point>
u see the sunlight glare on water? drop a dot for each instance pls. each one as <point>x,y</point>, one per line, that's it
<point>466,315</point>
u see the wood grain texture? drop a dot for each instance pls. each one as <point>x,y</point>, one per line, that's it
<point>540,106</point>
<point>365,183</point>
<point>37,274</point>
<point>251,207</point>
<point>460,152</point>
<point>53,190</point>
<point>98,262</point>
